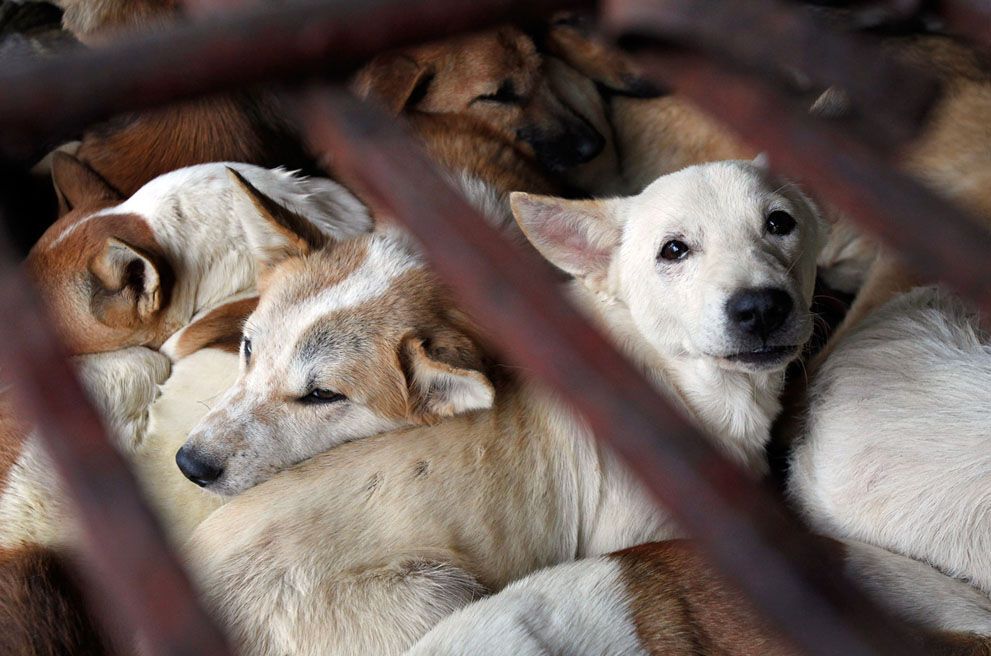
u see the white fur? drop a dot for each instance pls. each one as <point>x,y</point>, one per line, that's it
<point>575,608</point>
<point>124,385</point>
<point>898,447</point>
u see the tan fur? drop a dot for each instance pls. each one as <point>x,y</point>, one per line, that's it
<point>13,432</point>
<point>128,152</point>
<point>220,328</point>
<point>42,612</point>
<point>94,21</point>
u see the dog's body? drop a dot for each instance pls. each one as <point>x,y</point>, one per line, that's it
<point>662,599</point>
<point>425,519</point>
<point>896,448</point>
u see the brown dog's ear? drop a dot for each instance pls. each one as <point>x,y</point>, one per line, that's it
<point>572,39</point>
<point>281,233</point>
<point>394,79</point>
<point>577,236</point>
<point>130,285</point>
<point>444,376</point>
<point>77,185</point>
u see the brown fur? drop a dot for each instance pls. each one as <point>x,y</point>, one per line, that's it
<point>42,612</point>
<point>134,150</point>
<point>220,328</point>
<point>680,607</point>
<point>93,21</point>
<point>13,432</point>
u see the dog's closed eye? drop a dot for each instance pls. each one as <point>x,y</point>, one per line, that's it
<point>321,395</point>
<point>505,95</point>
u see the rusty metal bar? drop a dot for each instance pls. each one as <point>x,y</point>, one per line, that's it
<point>935,237</point>
<point>122,540</point>
<point>285,41</point>
<point>774,37</point>
<point>744,528</point>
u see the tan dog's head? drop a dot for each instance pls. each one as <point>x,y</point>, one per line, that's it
<point>349,340</point>
<point>104,292</point>
<point>500,78</point>
<point>714,262</point>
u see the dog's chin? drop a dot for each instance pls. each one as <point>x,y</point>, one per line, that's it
<point>767,358</point>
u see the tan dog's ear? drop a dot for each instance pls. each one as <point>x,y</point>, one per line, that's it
<point>77,185</point>
<point>394,79</point>
<point>281,233</point>
<point>572,38</point>
<point>577,236</point>
<point>131,285</point>
<point>444,376</point>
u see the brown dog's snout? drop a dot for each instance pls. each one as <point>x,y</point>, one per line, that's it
<point>576,144</point>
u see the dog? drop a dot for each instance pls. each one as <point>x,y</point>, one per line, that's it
<point>662,598</point>
<point>134,272</point>
<point>894,452</point>
<point>351,341</point>
<point>97,21</point>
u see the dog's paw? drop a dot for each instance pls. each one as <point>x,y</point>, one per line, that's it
<point>123,384</point>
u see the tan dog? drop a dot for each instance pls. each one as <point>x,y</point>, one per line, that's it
<point>482,478</point>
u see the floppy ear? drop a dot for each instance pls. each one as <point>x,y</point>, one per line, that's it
<point>577,236</point>
<point>131,282</point>
<point>444,376</point>
<point>394,79</point>
<point>77,185</point>
<point>572,38</point>
<point>281,233</point>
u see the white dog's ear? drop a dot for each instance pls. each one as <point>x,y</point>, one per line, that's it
<point>577,236</point>
<point>762,161</point>
<point>444,377</point>
<point>281,233</point>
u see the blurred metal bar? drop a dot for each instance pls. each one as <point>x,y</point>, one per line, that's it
<point>746,530</point>
<point>935,237</point>
<point>970,18</point>
<point>123,542</point>
<point>285,40</point>
<point>778,39</point>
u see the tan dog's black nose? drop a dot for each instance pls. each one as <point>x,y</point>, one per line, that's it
<point>197,468</point>
<point>759,312</point>
<point>578,144</point>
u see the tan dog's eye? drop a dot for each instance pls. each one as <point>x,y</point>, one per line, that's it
<point>504,95</point>
<point>674,250</point>
<point>322,396</point>
<point>780,223</point>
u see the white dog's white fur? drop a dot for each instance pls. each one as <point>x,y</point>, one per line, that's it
<point>363,548</point>
<point>897,450</point>
<point>585,607</point>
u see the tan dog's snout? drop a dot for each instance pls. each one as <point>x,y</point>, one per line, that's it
<point>198,466</point>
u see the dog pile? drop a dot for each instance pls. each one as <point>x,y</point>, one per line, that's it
<point>346,467</point>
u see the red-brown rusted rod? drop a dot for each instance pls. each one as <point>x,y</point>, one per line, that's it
<point>934,236</point>
<point>287,41</point>
<point>776,38</point>
<point>124,547</point>
<point>749,534</point>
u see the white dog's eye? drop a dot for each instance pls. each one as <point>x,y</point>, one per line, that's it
<point>246,347</point>
<point>780,223</point>
<point>322,396</point>
<point>674,250</point>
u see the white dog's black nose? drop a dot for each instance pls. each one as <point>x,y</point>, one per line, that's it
<point>759,312</point>
<point>197,468</point>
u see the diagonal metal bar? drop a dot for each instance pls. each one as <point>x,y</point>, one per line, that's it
<point>935,237</point>
<point>123,543</point>
<point>971,18</point>
<point>774,38</point>
<point>286,40</point>
<point>749,534</point>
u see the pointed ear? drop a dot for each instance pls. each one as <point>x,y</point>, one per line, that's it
<point>762,161</point>
<point>444,376</point>
<point>77,185</point>
<point>131,282</point>
<point>577,236</point>
<point>394,79</point>
<point>281,233</point>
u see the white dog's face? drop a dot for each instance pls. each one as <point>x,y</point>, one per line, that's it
<point>345,344</point>
<point>714,261</point>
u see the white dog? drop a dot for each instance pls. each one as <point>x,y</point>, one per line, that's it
<point>705,279</point>
<point>897,450</point>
